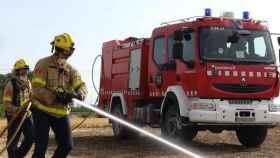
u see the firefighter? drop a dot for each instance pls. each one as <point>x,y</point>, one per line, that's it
<point>17,96</point>
<point>55,83</point>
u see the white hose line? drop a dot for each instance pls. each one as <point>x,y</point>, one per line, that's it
<point>110,116</point>
<point>95,89</point>
<point>92,69</point>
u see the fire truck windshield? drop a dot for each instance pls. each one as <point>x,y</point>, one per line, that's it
<point>221,44</point>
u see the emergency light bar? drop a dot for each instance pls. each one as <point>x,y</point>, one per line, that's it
<point>246,15</point>
<point>227,14</point>
<point>207,12</point>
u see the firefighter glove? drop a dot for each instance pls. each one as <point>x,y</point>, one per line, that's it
<point>63,96</point>
<point>77,96</point>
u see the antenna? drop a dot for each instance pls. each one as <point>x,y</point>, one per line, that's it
<point>189,19</point>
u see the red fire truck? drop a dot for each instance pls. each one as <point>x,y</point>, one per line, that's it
<point>194,74</point>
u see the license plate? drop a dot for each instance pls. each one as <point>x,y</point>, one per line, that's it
<point>245,119</point>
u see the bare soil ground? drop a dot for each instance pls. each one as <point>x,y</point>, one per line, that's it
<point>95,140</point>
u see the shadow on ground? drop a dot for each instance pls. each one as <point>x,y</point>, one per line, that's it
<point>99,143</point>
<point>143,147</point>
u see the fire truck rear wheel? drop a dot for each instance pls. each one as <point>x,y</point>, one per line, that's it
<point>252,136</point>
<point>172,126</point>
<point>119,130</point>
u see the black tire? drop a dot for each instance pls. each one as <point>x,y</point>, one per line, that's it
<point>252,136</point>
<point>119,130</point>
<point>172,128</point>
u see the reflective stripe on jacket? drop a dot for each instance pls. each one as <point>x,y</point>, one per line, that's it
<point>22,98</point>
<point>47,77</point>
<point>54,110</point>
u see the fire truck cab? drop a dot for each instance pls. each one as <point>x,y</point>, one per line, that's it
<point>193,74</point>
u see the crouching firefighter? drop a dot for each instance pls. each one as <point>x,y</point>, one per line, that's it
<point>55,83</point>
<point>16,98</point>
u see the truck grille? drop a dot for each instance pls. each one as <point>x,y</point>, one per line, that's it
<point>236,88</point>
<point>240,102</point>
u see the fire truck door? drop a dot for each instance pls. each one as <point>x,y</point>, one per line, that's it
<point>135,69</point>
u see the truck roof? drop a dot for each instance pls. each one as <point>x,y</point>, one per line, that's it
<point>196,21</point>
<point>206,21</point>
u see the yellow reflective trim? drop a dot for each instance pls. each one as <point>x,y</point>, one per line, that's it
<point>77,84</point>
<point>52,110</point>
<point>39,81</point>
<point>25,103</point>
<point>7,99</point>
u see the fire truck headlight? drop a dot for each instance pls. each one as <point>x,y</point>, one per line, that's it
<point>274,107</point>
<point>204,106</point>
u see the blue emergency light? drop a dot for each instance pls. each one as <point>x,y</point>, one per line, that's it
<point>246,15</point>
<point>208,12</point>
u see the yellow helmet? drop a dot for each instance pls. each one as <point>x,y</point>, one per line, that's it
<point>21,64</point>
<point>63,41</point>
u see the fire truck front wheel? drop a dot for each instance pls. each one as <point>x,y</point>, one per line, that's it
<point>119,130</point>
<point>172,126</point>
<point>251,136</point>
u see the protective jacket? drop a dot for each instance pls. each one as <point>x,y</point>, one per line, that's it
<point>47,77</point>
<point>17,94</point>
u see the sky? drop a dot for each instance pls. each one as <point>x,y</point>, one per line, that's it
<point>28,26</point>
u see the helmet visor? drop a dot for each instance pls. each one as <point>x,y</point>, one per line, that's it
<point>22,71</point>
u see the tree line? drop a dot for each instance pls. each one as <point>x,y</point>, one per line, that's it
<point>3,81</point>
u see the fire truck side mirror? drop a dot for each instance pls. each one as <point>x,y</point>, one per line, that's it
<point>177,50</point>
<point>279,56</point>
<point>187,33</point>
<point>178,35</point>
<point>278,39</point>
<point>233,38</point>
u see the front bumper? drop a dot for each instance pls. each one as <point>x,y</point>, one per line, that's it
<point>234,114</point>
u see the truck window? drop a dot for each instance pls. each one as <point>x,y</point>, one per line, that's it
<point>188,48</point>
<point>159,50</point>
<point>170,46</point>
<point>260,47</point>
<point>226,44</point>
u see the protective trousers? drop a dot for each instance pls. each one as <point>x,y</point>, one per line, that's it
<point>27,130</point>
<point>62,131</point>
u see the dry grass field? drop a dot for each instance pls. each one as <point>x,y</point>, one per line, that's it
<point>94,139</point>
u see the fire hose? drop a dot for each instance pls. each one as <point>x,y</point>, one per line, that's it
<point>25,114</point>
<point>95,89</point>
<point>107,115</point>
<point>133,127</point>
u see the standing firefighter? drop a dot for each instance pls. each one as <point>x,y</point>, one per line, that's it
<point>17,96</point>
<point>55,83</point>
